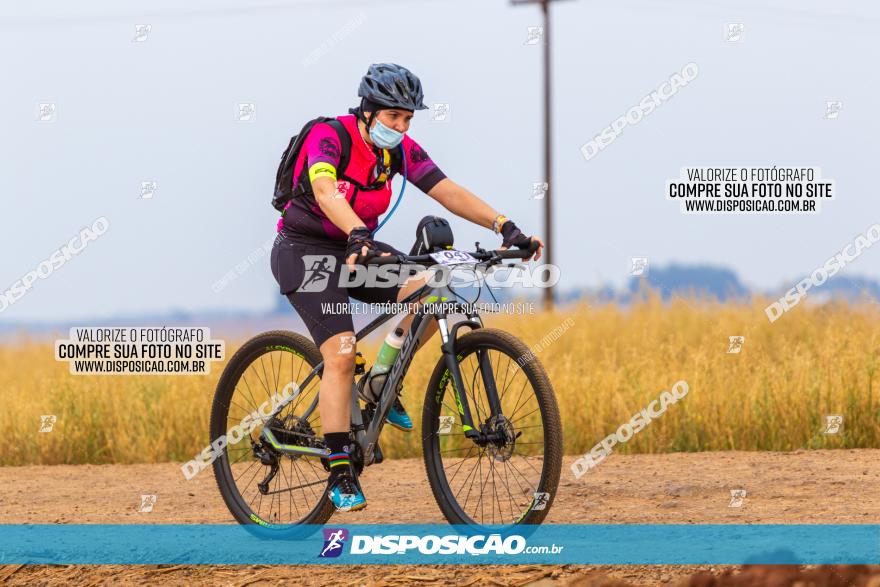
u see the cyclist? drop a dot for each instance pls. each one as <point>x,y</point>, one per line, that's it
<point>320,230</point>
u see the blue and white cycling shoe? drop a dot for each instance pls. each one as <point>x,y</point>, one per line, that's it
<point>398,417</point>
<point>345,493</point>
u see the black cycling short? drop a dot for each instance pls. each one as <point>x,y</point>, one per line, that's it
<point>308,274</point>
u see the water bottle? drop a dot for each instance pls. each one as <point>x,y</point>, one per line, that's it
<point>387,354</point>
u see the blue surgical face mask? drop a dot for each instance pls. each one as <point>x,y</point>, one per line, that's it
<point>384,137</point>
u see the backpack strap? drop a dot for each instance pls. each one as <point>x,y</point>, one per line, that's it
<point>303,186</point>
<point>396,160</point>
<point>344,143</point>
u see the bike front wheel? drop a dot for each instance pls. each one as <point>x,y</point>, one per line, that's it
<point>513,479</point>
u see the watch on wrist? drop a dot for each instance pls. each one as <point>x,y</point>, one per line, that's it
<point>498,223</point>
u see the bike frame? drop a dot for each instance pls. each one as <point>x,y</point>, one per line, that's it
<point>367,433</point>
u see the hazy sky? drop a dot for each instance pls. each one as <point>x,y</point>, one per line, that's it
<point>164,110</point>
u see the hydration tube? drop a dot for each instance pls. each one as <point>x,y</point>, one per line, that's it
<point>399,196</point>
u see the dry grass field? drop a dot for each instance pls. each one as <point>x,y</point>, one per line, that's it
<point>606,364</point>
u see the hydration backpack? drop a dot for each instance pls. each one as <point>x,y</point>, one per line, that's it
<point>284,188</point>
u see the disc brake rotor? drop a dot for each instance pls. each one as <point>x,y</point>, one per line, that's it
<point>501,449</point>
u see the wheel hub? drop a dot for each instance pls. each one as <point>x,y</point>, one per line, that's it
<point>502,436</point>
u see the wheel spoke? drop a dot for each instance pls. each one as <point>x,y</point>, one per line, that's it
<point>527,415</point>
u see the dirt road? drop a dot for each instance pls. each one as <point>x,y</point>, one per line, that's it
<point>824,487</point>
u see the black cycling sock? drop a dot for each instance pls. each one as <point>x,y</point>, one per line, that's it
<point>338,443</point>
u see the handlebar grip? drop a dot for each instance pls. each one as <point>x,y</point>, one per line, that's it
<point>373,258</point>
<point>519,253</point>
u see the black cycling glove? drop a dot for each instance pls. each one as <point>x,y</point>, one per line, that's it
<point>513,237</point>
<point>358,238</point>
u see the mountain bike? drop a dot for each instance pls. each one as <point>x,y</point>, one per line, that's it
<point>490,427</point>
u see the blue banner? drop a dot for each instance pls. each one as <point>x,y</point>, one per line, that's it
<point>618,544</point>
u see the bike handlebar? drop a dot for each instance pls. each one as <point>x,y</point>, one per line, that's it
<point>480,255</point>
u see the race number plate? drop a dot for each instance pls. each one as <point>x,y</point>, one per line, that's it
<point>452,257</point>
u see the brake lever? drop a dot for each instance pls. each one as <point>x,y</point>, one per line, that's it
<point>481,252</point>
<point>494,259</point>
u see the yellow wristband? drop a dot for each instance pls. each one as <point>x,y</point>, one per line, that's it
<point>498,223</point>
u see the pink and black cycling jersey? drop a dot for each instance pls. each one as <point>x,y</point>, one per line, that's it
<point>303,219</point>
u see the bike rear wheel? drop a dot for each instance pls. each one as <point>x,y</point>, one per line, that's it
<point>509,482</point>
<point>295,494</point>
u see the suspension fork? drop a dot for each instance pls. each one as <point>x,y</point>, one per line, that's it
<point>489,382</point>
<point>488,376</point>
<point>448,339</point>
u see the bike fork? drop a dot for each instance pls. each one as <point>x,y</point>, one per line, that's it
<point>448,338</point>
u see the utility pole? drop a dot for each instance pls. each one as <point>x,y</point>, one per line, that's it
<point>548,136</point>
